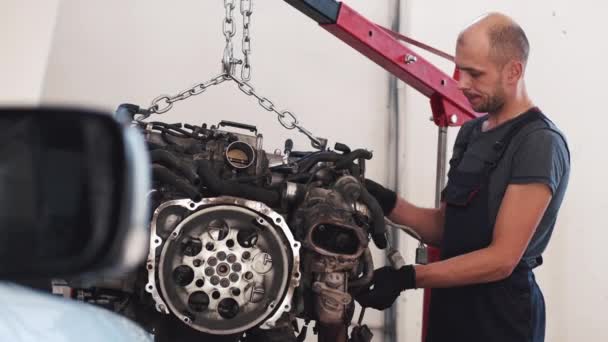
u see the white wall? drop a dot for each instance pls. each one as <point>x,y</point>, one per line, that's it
<point>566,78</point>
<point>26,28</point>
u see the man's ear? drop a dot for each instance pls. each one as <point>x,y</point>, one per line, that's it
<point>514,71</point>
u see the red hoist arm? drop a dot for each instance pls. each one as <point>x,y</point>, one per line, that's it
<point>448,104</point>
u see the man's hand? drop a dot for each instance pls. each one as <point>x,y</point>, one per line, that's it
<point>386,286</point>
<point>385,197</point>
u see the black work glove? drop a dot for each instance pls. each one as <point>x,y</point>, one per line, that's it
<point>385,197</point>
<point>387,286</point>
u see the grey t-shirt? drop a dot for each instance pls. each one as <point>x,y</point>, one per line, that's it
<point>538,153</point>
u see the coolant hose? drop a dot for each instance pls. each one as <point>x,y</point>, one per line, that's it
<point>170,161</point>
<point>230,188</point>
<point>378,225</point>
<point>163,174</point>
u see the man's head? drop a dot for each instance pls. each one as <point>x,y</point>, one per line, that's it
<point>491,56</point>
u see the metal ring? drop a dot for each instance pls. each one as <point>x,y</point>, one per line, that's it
<point>229,31</point>
<point>201,89</point>
<point>182,96</point>
<point>156,108</point>
<point>246,88</point>
<point>246,10</point>
<point>266,104</point>
<point>286,124</point>
<point>246,73</point>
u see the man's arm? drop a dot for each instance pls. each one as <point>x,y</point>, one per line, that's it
<point>521,210</point>
<point>427,222</point>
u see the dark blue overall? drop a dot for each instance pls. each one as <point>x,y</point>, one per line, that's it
<point>511,309</point>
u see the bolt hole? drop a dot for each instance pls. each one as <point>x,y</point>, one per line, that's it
<point>230,243</point>
<point>150,267</point>
<point>278,220</point>
<point>157,240</point>
<point>200,283</point>
<point>297,274</point>
<point>215,295</point>
<point>370,33</point>
<point>443,82</point>
<point>209,246</point>
<point>192,205</point>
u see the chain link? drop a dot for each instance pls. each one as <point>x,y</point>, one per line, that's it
<point>246,12</point>
<point>164,103</point>
<point>229,29</point>
<point>286,118</point>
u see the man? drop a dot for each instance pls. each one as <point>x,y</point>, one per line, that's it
<point>507,179</point>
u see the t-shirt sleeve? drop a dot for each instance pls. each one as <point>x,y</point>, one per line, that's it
<point>542,157</point>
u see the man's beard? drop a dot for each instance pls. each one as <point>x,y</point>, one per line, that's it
<point>493,105</point>
<point>494,102</point>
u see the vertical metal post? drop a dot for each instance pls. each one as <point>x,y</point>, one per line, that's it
<point>390,315</point>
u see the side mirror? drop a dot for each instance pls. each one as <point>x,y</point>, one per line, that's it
<point>73,193</point>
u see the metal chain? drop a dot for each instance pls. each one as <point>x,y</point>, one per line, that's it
<point>164,103</point>
<point>286,118</point>
<point>229,28</point>
<point>246,12</point>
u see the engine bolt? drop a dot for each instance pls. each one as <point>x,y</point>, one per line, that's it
<point>231,258</point>
<point>200,283</point>
<point>212,262</point>
<point>215,280</point>
<point>237,267</point>
<point>197,262</point>
<point>221,256</point>
<point>225,282</point>
<point>209,246</point>
<point>248,275</point>
<point>209,271</point>
<point>234,277</point>
<point>246,255</point>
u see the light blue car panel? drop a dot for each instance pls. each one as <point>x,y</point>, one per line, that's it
<point>27,315</point>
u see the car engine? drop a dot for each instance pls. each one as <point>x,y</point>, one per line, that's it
<point>244,241</point>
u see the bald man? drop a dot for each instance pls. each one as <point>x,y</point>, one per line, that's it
<point>508,175</point>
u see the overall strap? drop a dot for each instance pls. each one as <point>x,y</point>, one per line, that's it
<point>501,145</point>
